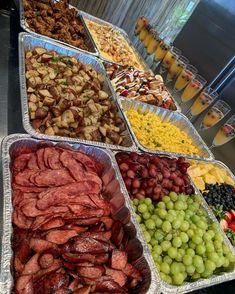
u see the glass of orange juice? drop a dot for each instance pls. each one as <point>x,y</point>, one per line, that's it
<point>153,43</point>
<point>171,56</point>
<point>225,134</point>
<point>176,68</point>
<point>143,32</point>
<point>148,36</point>
<point>141,22</point>
<point>161,51</point>
<point>193,88</point>
<point>215,114</point>
<point>204,100</point>
<point>186,75</point>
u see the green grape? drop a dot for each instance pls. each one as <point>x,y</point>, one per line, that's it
<point>199,232</point>
<point>162,275</point>
<point>190,233</point>
<point>206,237</point>
<point>148,201</point>
<point>217,245</point>
<point>157,249</point>
<point>153,242</point>
<point>151,232</point>
<point>197,261</point>
<point>190,252</point>
<point>151,208</point>
<point>200,249</point>
<point>173,196</point>
<point>218,237</point>
<point>226,262</point>
<point>189,200</point>
<point>179,257</point>
<point>192,244</point>
<point>154,217</point>
<point>213,256</point>
<point>198,198</point>
<point>200,269</point>
<point>178,279</point>
<point>196,239</point>
<point>195,218</point>
<point>165,245</point>
<point>150,247</point>
<point>167,279</point>
<point>230,257</point>
<point>166,199</point>
<point>184,226</point>
<point>193,227</point>
<point>226,249</point>
<point>142,208</point>
<point>167,259</point>
<point>170,218</point>
<point>162,213</point>
<point>150,224</point>
<point>138,218</point>
<point>155,256</point>
<point>159,235</point>
<point>169,205</point>
<point>147,236</point>
<point>190,269</point>
<point>143,228</point>
<point>206,274</point>
<point>176,224</point>
<point>172,252</point>
<point>175,268</point>
<point>214,227</point>
<point>146,215</point>
<point>168,237</point>
<point>172,212</point>
<point>158,260</point>
<point>135,208</point>
<point>161,205</point>
<point>166,226</point>
<point>209,247</point>
<point>202,225</point>
<point>176,242</point>
<point>157,266</point>
<point>181,251</point>
<point>184,237</point>
<point>195,276</point>
<point>158,222</point>
<point>187,259</point>
<point>211,233</point>
<point>179,205</point>
<point>165,268</point>
<point>135,202</point>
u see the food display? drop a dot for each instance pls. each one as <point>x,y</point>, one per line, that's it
<point>66,239</point>
<point>218,189</point>
<point>185,244</point>
<point>153,176</point>
<point>143,86</point>
<point>112,44</point>
<point>66,97</point>
<point>55,19</point>
<point>155,134</point>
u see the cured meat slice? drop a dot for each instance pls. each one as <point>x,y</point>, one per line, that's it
<point>50,178</point>
<point>132,272</point>
<point>20,199</point>
<point>117,233</point>
<point>60,236</point>
<point>77,170</point>
<point>32,266</point>
<point>90,245</point>
<point>85,212</point>
<point>24,285</point>
<point>109,286</point>
<point>25,189</point>
<point>103,236</point>
<point>88,221</point>
<point>78,229</point>
<point>101,203</point>
<point>118,259</point>
<point>93,272</point>
<point>32,163</point>
<point>54,223</point>
<point>61,195</point>
<point>44,272</point>
<point>118,276</point>
<point>39,245</point>
<point>107,221</point>
<point>79,258</point>
<point>21,221</point>
<point>21,162</point>
<point>82,290</point>
<point>46,260</point>
<point>40,158</point>
<point>51,283</point>
<point>23,177</point>
<point>52,158</point>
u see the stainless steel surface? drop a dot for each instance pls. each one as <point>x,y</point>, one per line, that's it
<point>117,29</point>
<point>201,283</point>
<point>26,42</point>
<point>175,118</point>
<point>113,187</point>
<point>89,41</point>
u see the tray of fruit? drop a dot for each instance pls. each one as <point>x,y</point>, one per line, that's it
<point>113,43</point>
<point>160,131</point>
<point>189,250</point>
<point>217,184</point>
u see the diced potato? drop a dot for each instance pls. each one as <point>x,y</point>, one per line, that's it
<point>209,179</point>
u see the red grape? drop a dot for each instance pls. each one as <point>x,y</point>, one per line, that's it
<point>123,166</point>
<point>127,182</point>
<point>136,183</point>
<point>178,181</point>
<point>131,174</point>
<point>134,156</point>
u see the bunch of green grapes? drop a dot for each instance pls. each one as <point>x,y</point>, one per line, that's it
<point>184,243</point>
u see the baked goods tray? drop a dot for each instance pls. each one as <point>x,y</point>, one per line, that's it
<point>176,118</point>
<point>113,188</point>
<point>88,39</point>
<point>201,283</point>
<point>120,31</point>
<point>28,41</point>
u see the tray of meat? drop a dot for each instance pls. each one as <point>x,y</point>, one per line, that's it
<point>113,43</point>
<point>66,95</point>
<point>57,20</point>
<point>67,225</point>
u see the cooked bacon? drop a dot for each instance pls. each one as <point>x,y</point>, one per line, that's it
<point>52,224</point>
<point>60,236</point>
<point>118,259</point>
<point>116,275</point>
<point>93,272</point>
<point>90,245</point>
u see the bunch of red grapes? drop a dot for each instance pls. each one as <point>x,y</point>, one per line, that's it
<point>153,176</point>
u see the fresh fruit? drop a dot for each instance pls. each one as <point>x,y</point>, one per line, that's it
<point>223,224</point>
<point>185,244</point>
<point>153,176</point>
<point>232,226</point>
<point>228,217</point>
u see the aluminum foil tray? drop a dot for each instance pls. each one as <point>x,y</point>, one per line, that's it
<point>114,189</point>
<point>193,286</point>
<point>176,118</point>
<point>120,31</point>
<point>28,41</point>
<point>89,40</point>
